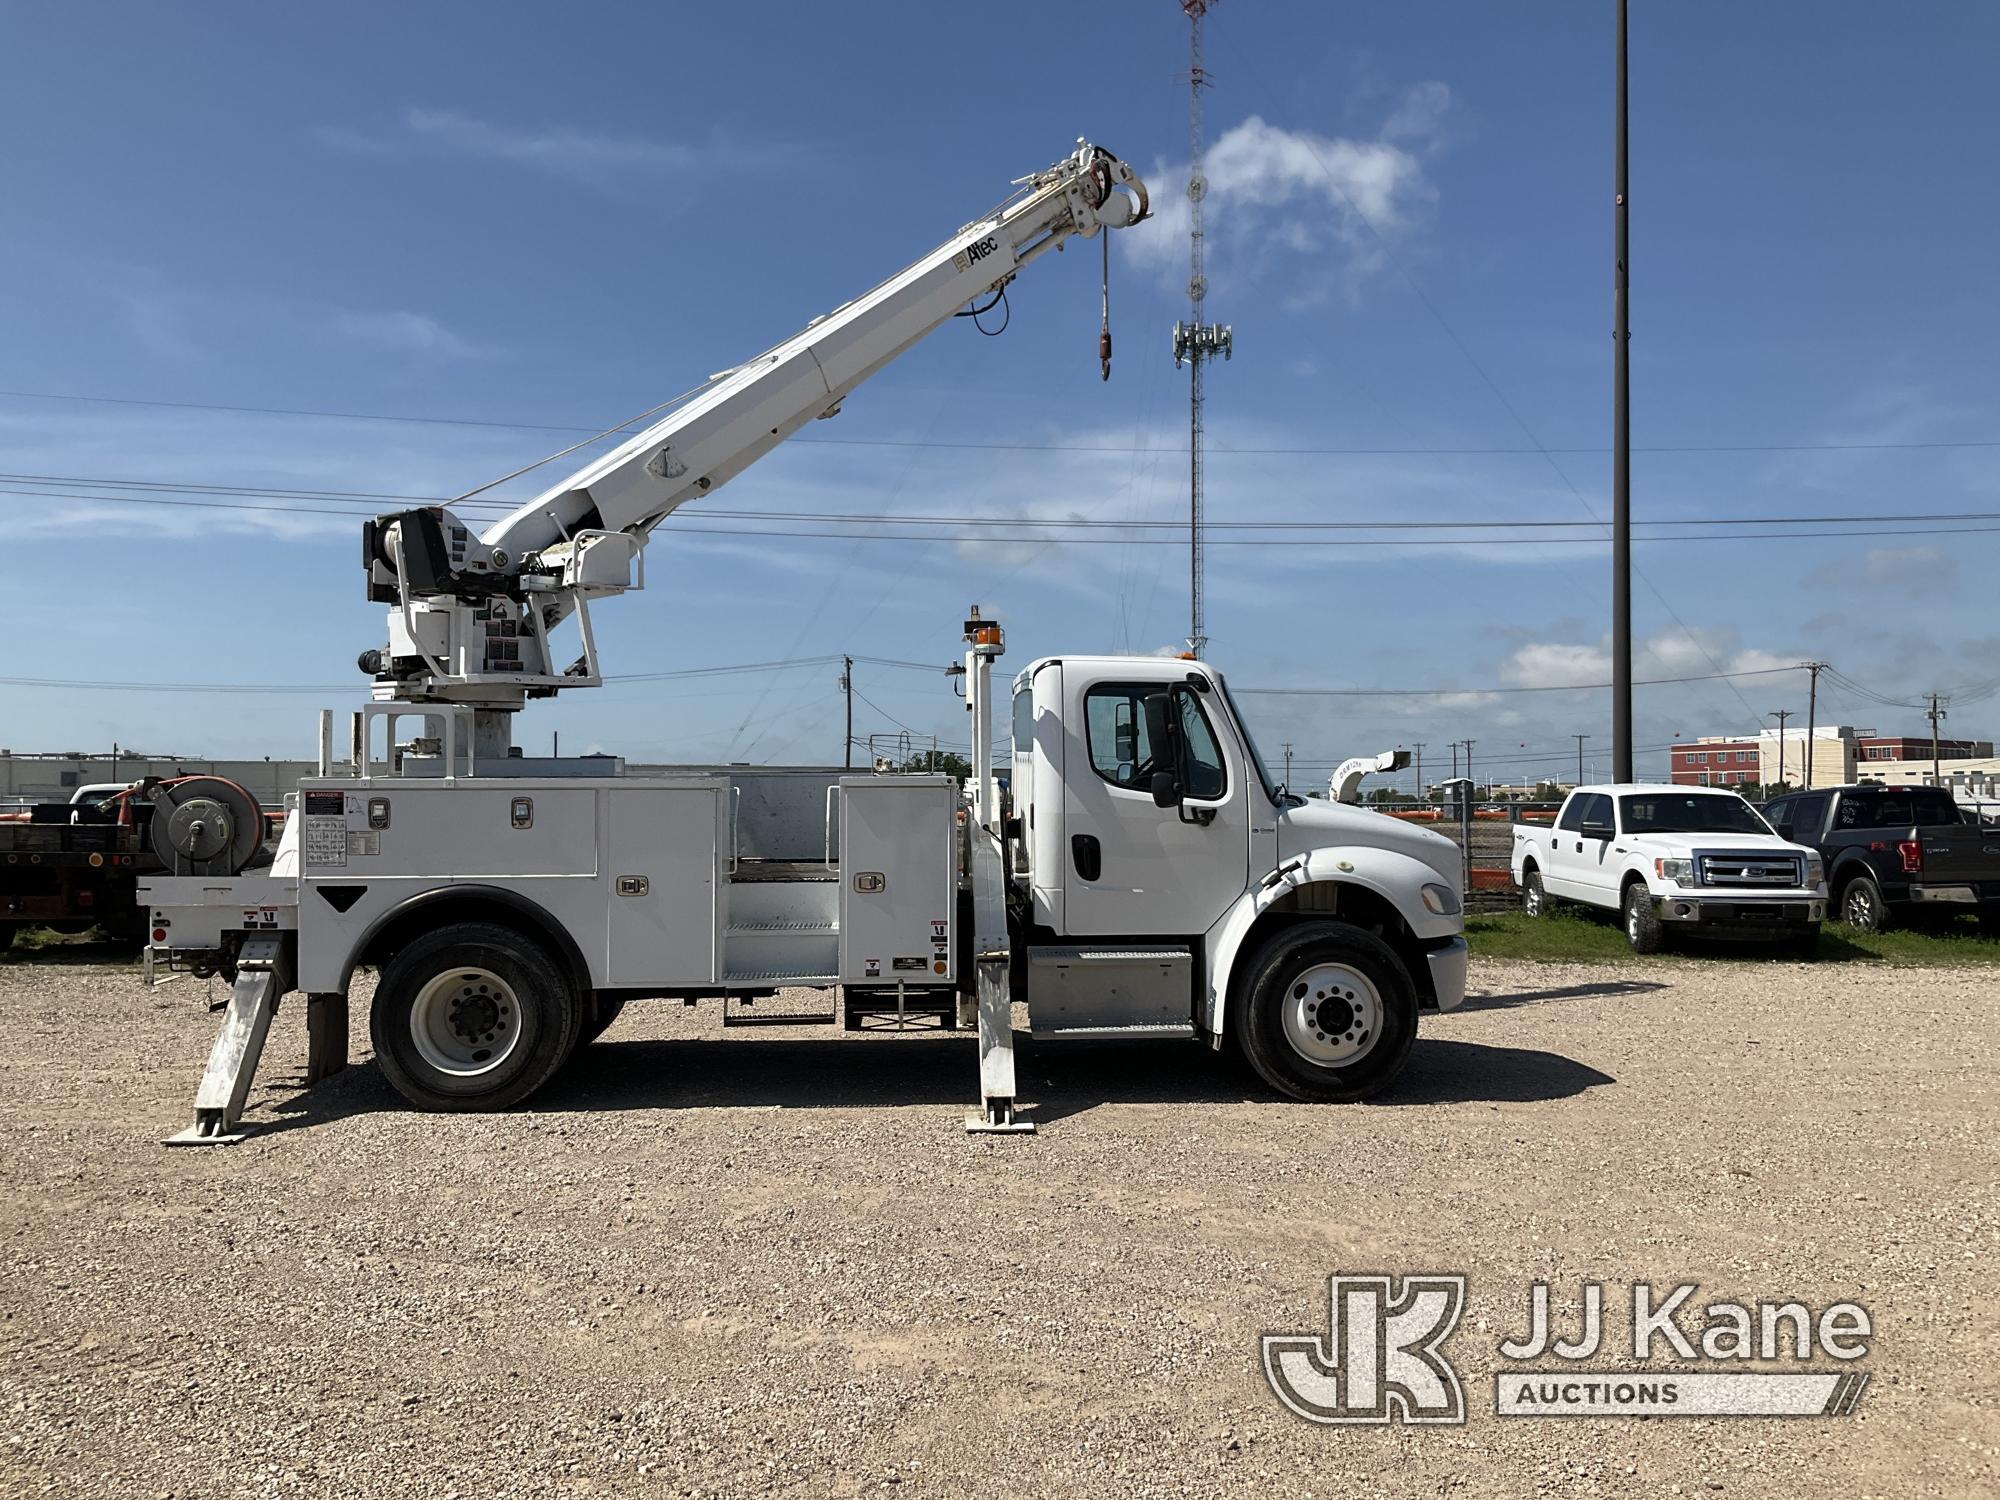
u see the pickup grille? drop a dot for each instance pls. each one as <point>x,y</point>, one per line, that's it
<point>1726,869</point>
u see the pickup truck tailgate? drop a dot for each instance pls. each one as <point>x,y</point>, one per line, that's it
<point>1963,855</point>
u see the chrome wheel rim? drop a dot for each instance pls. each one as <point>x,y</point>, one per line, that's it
<point>1632,920</point>
<point>1333,1015</point>
<point>1860,906</point>
<point>1531,898</point>
<point>466,1022</point>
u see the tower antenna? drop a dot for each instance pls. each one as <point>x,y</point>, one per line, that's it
<point>1196,342</point>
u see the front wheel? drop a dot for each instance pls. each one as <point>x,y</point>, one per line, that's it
<point>1534,897</point>
<point>472,1016</point>
<point>1328,1013</point>
<point>1642,920</point>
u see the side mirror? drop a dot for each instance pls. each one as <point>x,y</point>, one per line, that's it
<point>1596,830</point>
<point>1166,789</point>
<point>1783,830</point>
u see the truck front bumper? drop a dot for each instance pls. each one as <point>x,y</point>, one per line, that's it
<point>1448,966</point>
<point>1743,914</point>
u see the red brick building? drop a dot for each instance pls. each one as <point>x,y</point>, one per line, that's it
<point>1918,747</point>
<point>1715,762</point>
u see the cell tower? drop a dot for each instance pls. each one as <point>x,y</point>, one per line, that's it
<point>1196,342</point>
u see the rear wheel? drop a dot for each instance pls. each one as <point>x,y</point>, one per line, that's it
<point>1328,1013</point>
<point>1642,920</point>
<point>1861,904</point>
<point>472,1016</point>
<point>1534,898</point>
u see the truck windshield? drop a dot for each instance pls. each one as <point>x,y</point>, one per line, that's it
<point>1249,744</point>
<point>1667,813</point>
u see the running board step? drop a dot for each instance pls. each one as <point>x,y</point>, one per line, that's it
<point>740,1011</point>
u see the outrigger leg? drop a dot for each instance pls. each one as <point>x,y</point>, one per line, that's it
<point>263,974</point>
<point>991,966</point>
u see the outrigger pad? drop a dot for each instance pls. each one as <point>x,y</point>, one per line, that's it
<point>998,1118</point>
<point>207,1132</point>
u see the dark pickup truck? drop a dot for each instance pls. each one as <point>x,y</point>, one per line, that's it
<point>1894,850</point>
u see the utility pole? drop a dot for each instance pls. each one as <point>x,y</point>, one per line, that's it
<point>1936,713</point>
<point>1468,760</point>
<point>1621,452</point>
<point>1781,715</point>
<point>847,686</point>
<point>1812,716</point>
<point>1420,769</point>
<point>1579,738</point>
<point>1454,759</point>
<point>1288,765</point>
<point>1196,342</point>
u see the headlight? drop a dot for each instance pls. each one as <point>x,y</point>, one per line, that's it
<point>1815,870</point>
<point>1442,900</point>
<point>1675,871</point>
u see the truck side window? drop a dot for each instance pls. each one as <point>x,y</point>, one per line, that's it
<point>1572,815</point>
<point>1122,752</point>
<point>1206,778</point>
<point>1114,722</point>
<point>1806,814</point>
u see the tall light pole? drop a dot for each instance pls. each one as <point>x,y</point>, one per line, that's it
<point>1621,454</point>
<point>1579,738</point>
<point>1781,715</point>
<point>1196,342</point>
<point>1812,717</point>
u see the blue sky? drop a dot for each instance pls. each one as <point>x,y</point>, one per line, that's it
<point>562,216</point>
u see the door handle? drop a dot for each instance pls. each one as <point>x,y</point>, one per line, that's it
<point>1087,854</point>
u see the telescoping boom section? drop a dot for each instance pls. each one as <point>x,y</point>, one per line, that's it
<point>473,611</point>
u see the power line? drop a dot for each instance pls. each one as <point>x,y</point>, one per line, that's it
<point>674,525</point>
<point>1004,447</point>
<point>9,484</point>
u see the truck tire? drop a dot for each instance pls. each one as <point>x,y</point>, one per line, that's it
<point>1535,899</point>
<point>473,1016</point>
<point>1642,920</point>
<point>1862,906</point>
<point>1327,1014</point>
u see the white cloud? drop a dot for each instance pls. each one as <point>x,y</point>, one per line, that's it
<point>400,333</point>
<point>602,161</point>
<point>1692,653</point>
<point>1319,208</point>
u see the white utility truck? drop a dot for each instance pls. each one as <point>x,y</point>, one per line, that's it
<point>1140,874</point>
<point>1672,858</point>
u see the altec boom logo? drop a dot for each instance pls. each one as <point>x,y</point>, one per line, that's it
<point>1382,1359</point>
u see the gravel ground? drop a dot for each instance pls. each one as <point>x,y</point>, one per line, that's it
<point>771,1261</point>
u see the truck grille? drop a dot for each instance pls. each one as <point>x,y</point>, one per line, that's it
<point>1727,869</point>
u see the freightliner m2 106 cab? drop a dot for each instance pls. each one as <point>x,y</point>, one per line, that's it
<point>1141,875</point>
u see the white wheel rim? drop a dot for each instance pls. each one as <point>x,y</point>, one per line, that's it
<point>1333,1015</point>
<point>1532,899</point>
<point>466,1022</point>
<point>1860,906</point>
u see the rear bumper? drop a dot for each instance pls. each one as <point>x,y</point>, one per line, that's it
<point>1963,895</point>
<point>1742,914</point>
<point>1448,965</point>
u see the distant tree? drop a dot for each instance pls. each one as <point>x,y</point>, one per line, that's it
<point>946,762</point>
<point>1389,794</point>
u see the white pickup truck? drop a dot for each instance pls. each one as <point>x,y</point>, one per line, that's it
<point>1672,857</point>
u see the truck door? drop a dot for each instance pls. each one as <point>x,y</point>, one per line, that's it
<point>1132,867</point>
